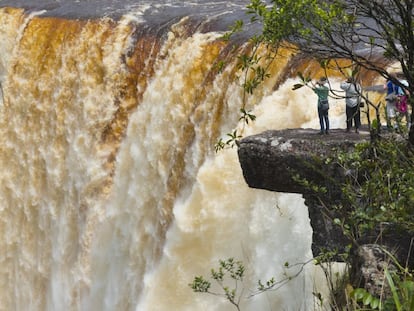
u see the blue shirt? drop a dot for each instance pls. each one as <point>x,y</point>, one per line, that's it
<point>392,88</point>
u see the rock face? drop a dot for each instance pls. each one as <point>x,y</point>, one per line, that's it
<point>272,159</point>
<point>368,269</point>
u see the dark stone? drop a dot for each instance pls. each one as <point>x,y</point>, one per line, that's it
<point>270,161</point>
<point>369,263</point>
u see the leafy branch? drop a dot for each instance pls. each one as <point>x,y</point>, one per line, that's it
<point>232,271</point>
<point>229,270</point>
<point>272,284</point>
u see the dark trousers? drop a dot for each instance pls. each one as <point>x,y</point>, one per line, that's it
<point>323,119</point>
<point>353,114</point>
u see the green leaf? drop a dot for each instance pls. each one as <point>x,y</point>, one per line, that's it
<point>358,293</point>
<point>375,302</point>
<point>200,285</point>
<point>297,86</point>
<point>367,299</point>
<point>393,290</point>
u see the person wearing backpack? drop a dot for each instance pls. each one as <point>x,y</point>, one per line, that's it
<point>323,104</point>
<point>352,100</point>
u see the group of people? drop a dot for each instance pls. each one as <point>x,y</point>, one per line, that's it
<point>352,100</point>
<point>396,102</point>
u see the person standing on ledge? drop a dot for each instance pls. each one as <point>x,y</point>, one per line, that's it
<point>391,101</point>
<point>352,100</point>
<point>402,98</point>
<point>322,90</point>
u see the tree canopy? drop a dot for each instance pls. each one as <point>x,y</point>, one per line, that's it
<point>362,31</point>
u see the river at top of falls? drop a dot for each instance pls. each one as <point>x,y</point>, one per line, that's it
<point>112,197</point>
<point>151,11</point>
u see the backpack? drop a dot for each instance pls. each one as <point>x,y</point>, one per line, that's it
<point>324,105</point>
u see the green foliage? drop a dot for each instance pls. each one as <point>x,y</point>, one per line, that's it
<point>329,30</point>
<point>233,138</point>
<point>236,27</point>
<point>254,72</point>
<point>402,289</point>
<point>229,271</point>
<point>336,29</point>
<point>219,145</point>
<point>401,285</point>
<point>268,284</point>
<point>304,80</point>
<point>247,116</point>
<point>379,187</point>
<point>286,20</point>
<point>315,188</point>
<point>367,300</point>
<point>232,272</point>
<point>247,64</point>
<point>234,268</point>
<point>200,285</point>
<point>273,284</point>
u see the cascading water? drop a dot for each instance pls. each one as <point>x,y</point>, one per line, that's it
<point>112,197</point>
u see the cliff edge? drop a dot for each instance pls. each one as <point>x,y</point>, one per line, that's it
<point>272,160</point>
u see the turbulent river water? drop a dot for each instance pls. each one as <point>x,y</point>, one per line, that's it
<point>112,195</point>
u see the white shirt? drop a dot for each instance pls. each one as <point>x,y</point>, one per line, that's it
<point>352,93</point>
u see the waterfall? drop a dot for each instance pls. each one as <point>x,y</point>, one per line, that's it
<point>112,196</point>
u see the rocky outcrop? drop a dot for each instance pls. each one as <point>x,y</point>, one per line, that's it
<point>273,160</point>
<point>369,264</point>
